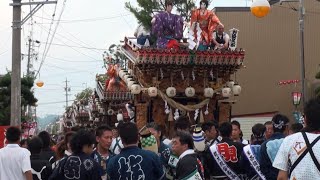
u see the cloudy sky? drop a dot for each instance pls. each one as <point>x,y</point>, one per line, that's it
<point>85,30</point>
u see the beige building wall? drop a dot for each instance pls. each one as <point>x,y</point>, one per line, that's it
<point>272,54</point>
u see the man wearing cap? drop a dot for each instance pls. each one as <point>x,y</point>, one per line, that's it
<point>270,148</point>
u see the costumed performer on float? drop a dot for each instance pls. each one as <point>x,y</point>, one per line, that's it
<point>167,27</point>
<point>203,22</point>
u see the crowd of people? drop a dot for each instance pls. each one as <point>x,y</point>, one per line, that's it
<point>276,150</point>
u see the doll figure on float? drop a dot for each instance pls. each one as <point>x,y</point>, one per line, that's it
<point>167,27</point>
<point>142,35</point>
<point>114,83</point>
<point>203,23</point>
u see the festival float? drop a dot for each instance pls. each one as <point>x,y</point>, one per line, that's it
<point>174,75</point>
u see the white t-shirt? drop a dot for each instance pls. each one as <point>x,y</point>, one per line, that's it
<point>14,162</point>
<point>290,149</point>
<point>116,145</point>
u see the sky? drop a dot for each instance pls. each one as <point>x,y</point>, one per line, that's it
<point>85,31</point>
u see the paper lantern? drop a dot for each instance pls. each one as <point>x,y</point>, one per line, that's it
<point>125,77</point>
<point>152,91</point>
<point>190,92</point>
<point>260,8</point>
<point>129,78</point>
<point>120,117</point>
<point>121,73</point>
<point>135,88</point>
<point>110,112</point>
<point>230,84</point>
<point>39,83</point>
<point>208,92</point>
<point>226,92</point>
<point>130,83</point>
<point>236,89</point>
<point>171,91</point>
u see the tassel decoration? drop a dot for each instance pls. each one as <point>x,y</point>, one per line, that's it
<point>201,117</point>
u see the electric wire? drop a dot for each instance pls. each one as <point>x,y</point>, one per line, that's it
<point>89,20</point>
<point>72,47</point>
<point>56,102</point>
<point>82,47</point>
<point>67,60</point>
<point>44,51</point>
<point>52,37</point>
<point>79,39</point>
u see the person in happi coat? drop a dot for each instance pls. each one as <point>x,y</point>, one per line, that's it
<point>133,162</point>
<point>189,166</point>
<point>250,160</point>
<point>229,151</point>
<point>79,165</point>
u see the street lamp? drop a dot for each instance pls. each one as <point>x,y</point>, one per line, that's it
<point>254,6</point>
<point>296,98</point>
<point>39,82</point>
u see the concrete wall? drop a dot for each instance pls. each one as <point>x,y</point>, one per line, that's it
<point>272,54</point>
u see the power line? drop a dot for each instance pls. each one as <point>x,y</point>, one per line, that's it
<point>67,60</point>
<point>88,20</point>
<point>55,30</point>
<point>70,47</point>
<point>45,48</point>
<point>64,37</point>
<point>82,47</point>
<point>78,39</point>
<point>56,102</point>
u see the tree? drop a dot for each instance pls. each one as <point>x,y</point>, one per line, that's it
<point>147,9</point>
<point>27,96</point>
<point>84,96</point>
<point>114,56</point>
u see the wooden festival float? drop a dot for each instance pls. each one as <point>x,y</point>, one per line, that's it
<point>112,100</point>
<point>167,83</point>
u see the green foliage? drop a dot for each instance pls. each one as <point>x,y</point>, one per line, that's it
<point>147,9</point>
<point>114,56</point>
<point>84,95</point>
<point>44,121</point>
<point>27,98</point>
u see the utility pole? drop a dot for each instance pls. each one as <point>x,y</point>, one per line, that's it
<point>29,57</point>
<point>67,89</point>
<point>15,115</point>
<point>15,111</point>
<point>302,62</point>
<point>301,45</point>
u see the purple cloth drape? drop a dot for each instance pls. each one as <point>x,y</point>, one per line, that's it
<point>167,26</point>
